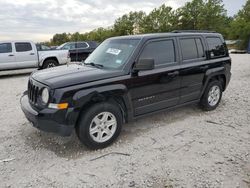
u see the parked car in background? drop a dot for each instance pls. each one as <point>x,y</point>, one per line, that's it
<point>79,51</point>
<point>235,51</point>
<point>41,47</point>
<point>25,54</point>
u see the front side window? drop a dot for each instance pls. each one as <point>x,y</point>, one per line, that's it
<point>23,46</point>
<point>162,52</point>
<point>5,48</point>
<point>113,53</point>
<point>216,47</point>
<point>192,48</point>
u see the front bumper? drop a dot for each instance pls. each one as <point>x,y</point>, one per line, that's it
<point>46,119</point>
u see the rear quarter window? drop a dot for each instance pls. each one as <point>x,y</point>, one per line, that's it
<point>23,46</point>
<point>69,46</point>
<point>216,47</point>
<point>82,45</point>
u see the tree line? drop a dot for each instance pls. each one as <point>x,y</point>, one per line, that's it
<point>194,15</point>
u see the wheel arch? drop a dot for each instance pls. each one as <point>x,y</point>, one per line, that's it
<point>49,58</point>
<point>118,95</point>
<point>215,74</point>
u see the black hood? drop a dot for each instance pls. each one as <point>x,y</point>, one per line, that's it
<point>68,75</point>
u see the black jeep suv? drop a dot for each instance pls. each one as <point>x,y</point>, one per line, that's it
<point>126,78</point>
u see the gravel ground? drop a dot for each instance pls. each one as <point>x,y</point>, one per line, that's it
<point>182,148</point>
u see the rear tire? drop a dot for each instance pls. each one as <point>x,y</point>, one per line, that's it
<point>211,96</point>
<point>50,63</point>
<point>100,125</point>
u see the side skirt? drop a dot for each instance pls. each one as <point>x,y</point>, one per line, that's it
<point>165,109</point>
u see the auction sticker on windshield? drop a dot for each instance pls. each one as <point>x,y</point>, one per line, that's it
<point>113,51</point>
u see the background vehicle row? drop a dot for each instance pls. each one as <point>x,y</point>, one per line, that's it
<point>24,54</point>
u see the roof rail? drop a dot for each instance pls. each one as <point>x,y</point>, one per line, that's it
<point>193,31</point>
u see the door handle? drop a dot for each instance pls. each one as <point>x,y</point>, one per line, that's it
<point>32,53</point>
<point>11,55</point>
<point>204,67</point>
<point>172,74</point>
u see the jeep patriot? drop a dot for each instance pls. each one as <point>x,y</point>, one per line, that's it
<point>126,78</point>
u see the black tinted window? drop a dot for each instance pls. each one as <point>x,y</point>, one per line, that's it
<point>216,47</point>
<point>200,48</point>
<point>23,47</point>
<point>82,45</point>
<point>69,46</point>
<point>192,48</point>
<point>189,50</point>
<point>5,48</point>
<point>161,51</point>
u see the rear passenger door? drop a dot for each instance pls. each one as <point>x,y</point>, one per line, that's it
<point>26,55</point>
<point>159,88</point>
<point>193,67</point>
<point>7,58</point>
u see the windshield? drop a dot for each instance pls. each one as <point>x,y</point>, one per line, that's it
<point>113,53</point>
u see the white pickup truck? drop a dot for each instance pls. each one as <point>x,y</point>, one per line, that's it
<point>24,54</point>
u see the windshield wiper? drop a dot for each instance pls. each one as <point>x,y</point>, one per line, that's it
<point>94,64</point>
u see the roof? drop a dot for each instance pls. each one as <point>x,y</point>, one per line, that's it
<point>10,41</point>
<point>160,35</point>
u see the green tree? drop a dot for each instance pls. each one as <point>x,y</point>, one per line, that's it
<point>190,15</point>
<point>60,39</point>
<point>204,15</point>
<point>240,26</point>
<point>100,34</point>
<point>194,15</point>
<point>128,23</point>
<point>214,16</point>
<point>159,20</point>
<point>75,37</point>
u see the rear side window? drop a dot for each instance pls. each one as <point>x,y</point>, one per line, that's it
<point>82,45</point>
<point>162,52</point>
<point>216,47</point>
<point>69,46</point>
<point>23,46</point>
<point>200,48</point>
<point>5,48</point>
<point>192,48</point>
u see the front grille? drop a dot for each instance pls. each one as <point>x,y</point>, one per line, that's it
<point>33,92</point>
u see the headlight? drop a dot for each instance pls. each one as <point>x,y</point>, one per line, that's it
<point>45,95</point>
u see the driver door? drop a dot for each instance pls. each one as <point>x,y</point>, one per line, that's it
<point>7,57</point>
<point>157,89</point>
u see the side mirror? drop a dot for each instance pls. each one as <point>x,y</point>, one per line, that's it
<point>144,64</point>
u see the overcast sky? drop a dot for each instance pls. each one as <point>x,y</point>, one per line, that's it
<point>38,20</point>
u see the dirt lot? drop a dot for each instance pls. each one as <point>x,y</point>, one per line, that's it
<point>182,148</point>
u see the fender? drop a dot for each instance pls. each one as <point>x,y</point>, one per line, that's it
<point>211,73</point>
<point>82,97</point>
<point>43,58</point>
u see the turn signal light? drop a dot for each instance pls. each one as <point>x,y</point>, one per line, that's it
<point>62,105</point>
<point>59,106</point>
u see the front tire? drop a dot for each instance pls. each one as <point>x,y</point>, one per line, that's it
<point>212,96</point>
<point>100,125</point>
